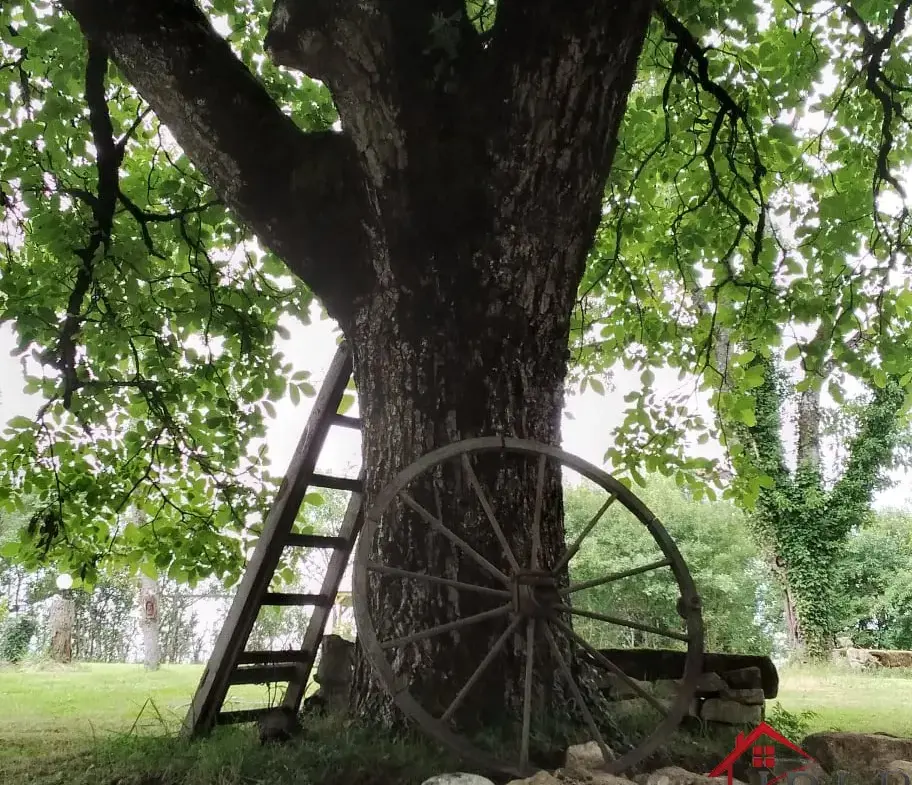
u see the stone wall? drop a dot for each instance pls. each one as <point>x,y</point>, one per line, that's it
<point>726,695</point>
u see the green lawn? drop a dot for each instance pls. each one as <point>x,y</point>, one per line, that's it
<point>848,700</point>
<point>79,725</point>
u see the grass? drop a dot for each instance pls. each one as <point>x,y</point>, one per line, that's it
<point>849,700</point>
<point>117,725</point>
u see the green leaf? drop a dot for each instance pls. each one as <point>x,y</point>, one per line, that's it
<point>597,386</point>
<point>647,378</point>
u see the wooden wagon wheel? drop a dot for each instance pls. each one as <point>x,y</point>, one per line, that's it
<point>530,603</point>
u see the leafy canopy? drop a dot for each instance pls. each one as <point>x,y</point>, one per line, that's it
<point>756,189</point>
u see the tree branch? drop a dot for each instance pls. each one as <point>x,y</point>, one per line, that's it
<point>302,194</point>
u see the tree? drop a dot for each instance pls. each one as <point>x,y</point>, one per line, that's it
<point>741,604</point>
<point>874,583</point>
<point>444,223</point>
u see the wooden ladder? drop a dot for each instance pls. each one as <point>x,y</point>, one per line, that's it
<point>229,663</point>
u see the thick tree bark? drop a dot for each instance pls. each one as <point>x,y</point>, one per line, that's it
<point>61,620</point>
<point>446,228</point>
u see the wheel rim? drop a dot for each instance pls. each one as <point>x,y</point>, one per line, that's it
<point>533,599</point>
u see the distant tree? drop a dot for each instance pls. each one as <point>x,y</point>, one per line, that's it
<point>874,582</point>
<point>741,603</point>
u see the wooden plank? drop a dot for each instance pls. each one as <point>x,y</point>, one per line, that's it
<point>283,657</point>
<point>344,421</point>
<point>336,483</point>
<point>338,562</point>
<point>316,541</point>
<point>240,715</point>
<point>264,674</point>
<point>241,617</point>
<point>286,599</point>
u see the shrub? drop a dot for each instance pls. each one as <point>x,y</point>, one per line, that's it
<point>15,635</point>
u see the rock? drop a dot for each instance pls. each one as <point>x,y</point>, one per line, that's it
<point>675,775</point>
<point>861,659</point>
<point>654,664</point>
<point>278,725</point>
<point>744,678</point>
<point>861,754</point>
<point>748,697</point>
<point>582,758</point>
<point>539,778</point>
<point>730,712</point>
<point>334,672</point>
<point>892,658</point>
<point>616,689</point>
<point>713,684</point>
<point>604,778</point>
<point>461,778</point>
<point>899,772</point>
<point>844,641</point>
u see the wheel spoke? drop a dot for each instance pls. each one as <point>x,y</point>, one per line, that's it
<point>453,537</point>
<point>486,505</point>
<point>634,625</point>
<point>448,627</point>
<point>536,519</point>
<point>607,664</point>
<point>527,692</point>
<point>577,695</point>
<point>614,576</point>
<point>488,659</point>
<point>384,570</point>
<point>571,551</point>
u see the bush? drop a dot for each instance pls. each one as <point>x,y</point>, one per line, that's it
<point>15,635</point>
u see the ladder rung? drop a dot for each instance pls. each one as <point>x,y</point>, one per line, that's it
<point>240,715</point>
<point>317,541</point>
<point>344,421</point>
<point>273,657</point>
<point>264,674</point>
<point>336,483</point>
<point>290,598</point>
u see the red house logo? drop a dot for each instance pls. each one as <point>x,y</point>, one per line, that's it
<point>759,744</point>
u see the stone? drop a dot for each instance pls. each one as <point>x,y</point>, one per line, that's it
<point>892,658</point>
<point>861,659</point>
<point>278,725</point>
<point>754,697</point>
<point>730,712</point>
<point>334,673</point>
<point>582,758</point>
<point>539,778</point>
<point>899,772</point>
<point>675,775</point>
<point>844,641</point>
<point>864,755</point>
<point>604,778</point>
<point>744,678</point>
<point>710,684</point>
<point>616,689</point>
<point>462,778</point>
<point>654,664</point>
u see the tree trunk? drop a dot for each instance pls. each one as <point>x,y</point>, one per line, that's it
<point>446,229</point>
<point>150,622</point>
<point>60,624</point>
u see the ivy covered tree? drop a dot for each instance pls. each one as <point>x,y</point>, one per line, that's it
<point>770,268</point>
<point>447,177</point>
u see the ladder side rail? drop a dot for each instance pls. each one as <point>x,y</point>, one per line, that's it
<point>232,639</point>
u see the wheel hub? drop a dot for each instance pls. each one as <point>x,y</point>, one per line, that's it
<point>534,593</point>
